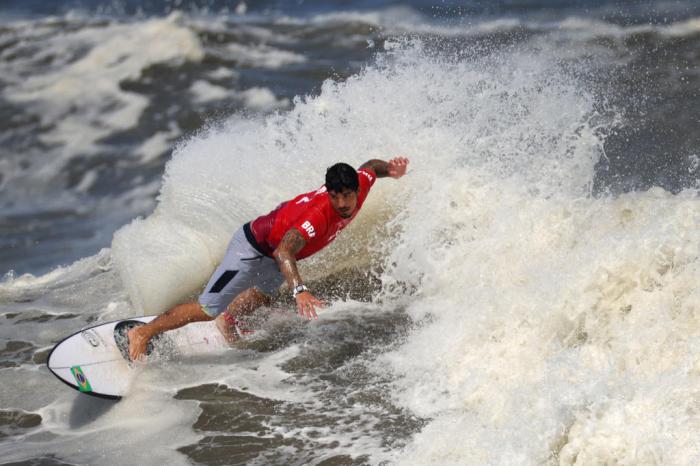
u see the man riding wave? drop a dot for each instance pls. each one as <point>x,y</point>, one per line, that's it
<point>264,252</point>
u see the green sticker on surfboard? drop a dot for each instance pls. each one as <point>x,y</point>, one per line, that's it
<point>82,381</point>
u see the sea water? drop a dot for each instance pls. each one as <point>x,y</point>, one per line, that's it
<point>527,294</point>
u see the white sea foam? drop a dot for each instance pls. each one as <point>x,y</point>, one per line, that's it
<point>582,27</point>
<point>259,99</point>
<point>575,314</point>
<point>204,91</point>
<point>261,55</point>
<point>159,143</point>
<point>262,99</point>
<point>223,73</point>
<point>404,20</point>
<point>120,435</point>
<point>683,28</point>
<point>558,327</point>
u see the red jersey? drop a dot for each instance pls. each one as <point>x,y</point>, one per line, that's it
<point>310,213</point>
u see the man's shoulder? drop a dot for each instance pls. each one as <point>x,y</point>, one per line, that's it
<point>367,177</point>
<point>311,204</point>
<point>312,197</point>
<point>368,173</point>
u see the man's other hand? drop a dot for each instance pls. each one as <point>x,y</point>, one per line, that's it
<point>398,167</point>
<point>307,305</point>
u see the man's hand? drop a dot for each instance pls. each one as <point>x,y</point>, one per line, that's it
<point>307,304</point>
<point>395,168</point>
<point>398,167</point>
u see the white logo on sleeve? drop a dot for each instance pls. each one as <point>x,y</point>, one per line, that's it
<point>309,228</point>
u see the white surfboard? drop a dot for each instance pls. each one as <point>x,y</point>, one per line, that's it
<point>95,360</point>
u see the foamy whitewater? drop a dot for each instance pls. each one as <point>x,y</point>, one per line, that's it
<point>491,307</point>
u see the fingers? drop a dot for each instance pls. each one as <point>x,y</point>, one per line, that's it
<point>307,310</point>
<point>398,166</point>
<point>318,302</point>
<point>137,357</point>
<point>137,346</point>
<point>307,307</point>
<point>311,313</point>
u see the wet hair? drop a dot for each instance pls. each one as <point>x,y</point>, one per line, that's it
<point>340,177</point>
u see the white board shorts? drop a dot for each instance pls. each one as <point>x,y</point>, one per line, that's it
<point>242,267</point>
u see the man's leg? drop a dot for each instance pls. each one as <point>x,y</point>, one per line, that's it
<point>173,318</point>
<point>244,304</point>
<point>230,289</point>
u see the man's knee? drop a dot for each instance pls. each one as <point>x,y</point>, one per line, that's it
<point>206,315</point>
<point>248,301</point>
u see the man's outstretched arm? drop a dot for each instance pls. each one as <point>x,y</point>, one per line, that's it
<point>394,168</point>
<point>285,255</point>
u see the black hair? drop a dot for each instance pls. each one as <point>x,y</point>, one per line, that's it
<point>341,176</point>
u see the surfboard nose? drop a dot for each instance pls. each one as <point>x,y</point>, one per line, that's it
<point>90,361</point>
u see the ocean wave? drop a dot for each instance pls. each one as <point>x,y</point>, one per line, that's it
<point>397,21</point>
<point>574,313</point>
<point>531,297</point>
<point>85,96</point>
<point>196,196</point>
<point>535,299</point>
<point>262,55</point>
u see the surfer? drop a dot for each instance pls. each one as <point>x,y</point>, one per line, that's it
<point>264,252</point>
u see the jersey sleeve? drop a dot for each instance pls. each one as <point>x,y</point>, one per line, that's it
<point>311,224</point>
<point>367,177</point>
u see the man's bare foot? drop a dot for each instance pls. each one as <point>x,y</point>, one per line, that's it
<point>138,344</point>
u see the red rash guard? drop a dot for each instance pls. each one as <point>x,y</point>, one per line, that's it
<point>310,213</point>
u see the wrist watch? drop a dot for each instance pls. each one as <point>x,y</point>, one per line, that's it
<point>299,289</point>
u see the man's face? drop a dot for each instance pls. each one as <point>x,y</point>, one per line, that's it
<point>344,202</point>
